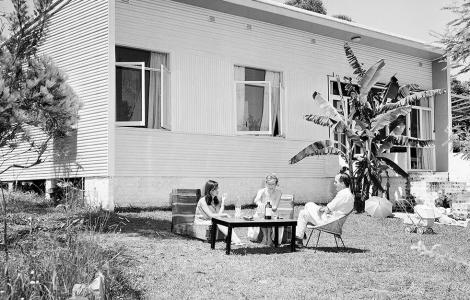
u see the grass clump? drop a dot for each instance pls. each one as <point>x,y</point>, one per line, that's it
<point>49,251</point>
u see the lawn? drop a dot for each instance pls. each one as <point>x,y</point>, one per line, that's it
<point>145,260</point>
<point>378,263</point>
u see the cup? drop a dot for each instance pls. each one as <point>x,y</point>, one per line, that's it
<point>238,208</point>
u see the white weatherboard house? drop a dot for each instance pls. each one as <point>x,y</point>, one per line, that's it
<point>179,92</point>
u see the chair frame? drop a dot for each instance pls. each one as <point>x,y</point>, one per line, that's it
<point>326,228</point>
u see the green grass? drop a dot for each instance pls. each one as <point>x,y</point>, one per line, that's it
<point>377,263</point>
<point>147,261</point>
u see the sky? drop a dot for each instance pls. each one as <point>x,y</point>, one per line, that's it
<point>411,18</point>
<point>416,19</point>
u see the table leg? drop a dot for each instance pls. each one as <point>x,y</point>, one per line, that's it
<point>213,234</point>
<point>228,239</point>
<point>292,240</point>
<point>276,236</point>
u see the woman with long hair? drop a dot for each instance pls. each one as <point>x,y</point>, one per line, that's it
<point>210,206</point>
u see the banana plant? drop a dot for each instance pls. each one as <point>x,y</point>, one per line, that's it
<point>362,118</point>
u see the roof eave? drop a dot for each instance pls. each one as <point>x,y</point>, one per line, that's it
<point>293,17</point>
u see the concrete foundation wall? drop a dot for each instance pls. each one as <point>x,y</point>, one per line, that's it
<point>154,191</point>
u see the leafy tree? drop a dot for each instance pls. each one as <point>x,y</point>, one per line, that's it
<point>36,103</point>
<point>457,37</point>
<point>362,119</point>
<point>461,128</point>
<point>34,94</point>
<point>311,5</point>
<point>343,17</point>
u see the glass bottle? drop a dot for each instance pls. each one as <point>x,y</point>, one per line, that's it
<point>268,211</point>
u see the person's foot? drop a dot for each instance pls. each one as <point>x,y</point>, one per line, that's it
<point>269,243</point>
<point>299,243</point>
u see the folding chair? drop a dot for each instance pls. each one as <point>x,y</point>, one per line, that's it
<point>334,227</point>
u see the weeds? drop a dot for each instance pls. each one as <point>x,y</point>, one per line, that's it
<point>50,253</point>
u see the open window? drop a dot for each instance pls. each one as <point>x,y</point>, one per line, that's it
<point>257,94</point>
<point>142,88</point>
<point>421,127</point>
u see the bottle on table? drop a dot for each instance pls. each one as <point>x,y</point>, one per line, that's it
<point>268,211</point>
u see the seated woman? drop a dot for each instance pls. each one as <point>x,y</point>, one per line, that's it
<point>209,206</point>
<point>270,193</point>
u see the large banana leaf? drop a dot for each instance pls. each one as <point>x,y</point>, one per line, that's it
<point>420,95</point>
<point>353,61</point>
<point>320,120</point>
<point>325,147</point>
<point>328,109</point>
<point>393,166</point>
<point>385,119</point>
<point>401,140</point>
<point>370,78</point>
<point>392,89</point>
<point>410,99</point>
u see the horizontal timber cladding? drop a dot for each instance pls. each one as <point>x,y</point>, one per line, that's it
<point>78,43</point>
<point>203,53</point>
<point>150,153</point>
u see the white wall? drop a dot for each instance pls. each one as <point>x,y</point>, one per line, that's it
<point>202,56</point>
<point>77,41</point>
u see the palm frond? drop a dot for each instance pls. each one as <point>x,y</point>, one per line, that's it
<point>420,95</point>
<point>392,90</point>
<point>386,118</point>
<point>328,109</point>
<point>325,147</point>
<point>370,78</point>
<point>354,62</point>
<point>320,120</point>
<point>401,140</point>
<point>396,168</point>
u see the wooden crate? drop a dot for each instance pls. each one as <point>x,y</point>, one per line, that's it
<point>183,210</point>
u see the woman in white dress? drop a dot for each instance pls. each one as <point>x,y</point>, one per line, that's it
<point>209,206</point>
<point>272,194</point>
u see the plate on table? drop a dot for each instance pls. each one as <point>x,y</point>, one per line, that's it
<point>248,218</point>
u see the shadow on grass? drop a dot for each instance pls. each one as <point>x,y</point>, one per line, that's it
<point>338,250</point>
<point>260,250</point>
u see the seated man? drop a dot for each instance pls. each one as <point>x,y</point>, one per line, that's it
<point>341,205</point>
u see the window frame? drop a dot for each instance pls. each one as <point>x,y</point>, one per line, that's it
<point>143,123</point>
<point>433,134</point>
<point>141,66</point>
<point>265,84</point>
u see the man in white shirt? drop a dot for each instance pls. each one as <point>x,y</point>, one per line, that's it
<point>341,205</point>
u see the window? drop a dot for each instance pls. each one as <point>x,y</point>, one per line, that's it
<point>257,94</point>
<point>142,88</point>
<point>421,128</point>
<point>334,96</point>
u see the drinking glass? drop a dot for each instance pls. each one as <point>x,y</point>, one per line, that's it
<point>238,208</point>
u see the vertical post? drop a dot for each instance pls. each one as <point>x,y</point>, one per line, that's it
<point>213,234</point>
<point>442,115</point>
<point>49,188</point>
<point>292,240</point>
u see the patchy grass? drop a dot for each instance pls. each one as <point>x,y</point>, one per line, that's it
<point>143,259</point>
<point>377,263</point>
<point>51,249</point>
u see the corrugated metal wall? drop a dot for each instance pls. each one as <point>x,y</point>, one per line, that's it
<point>202,56</point>
<point>78,43</point>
